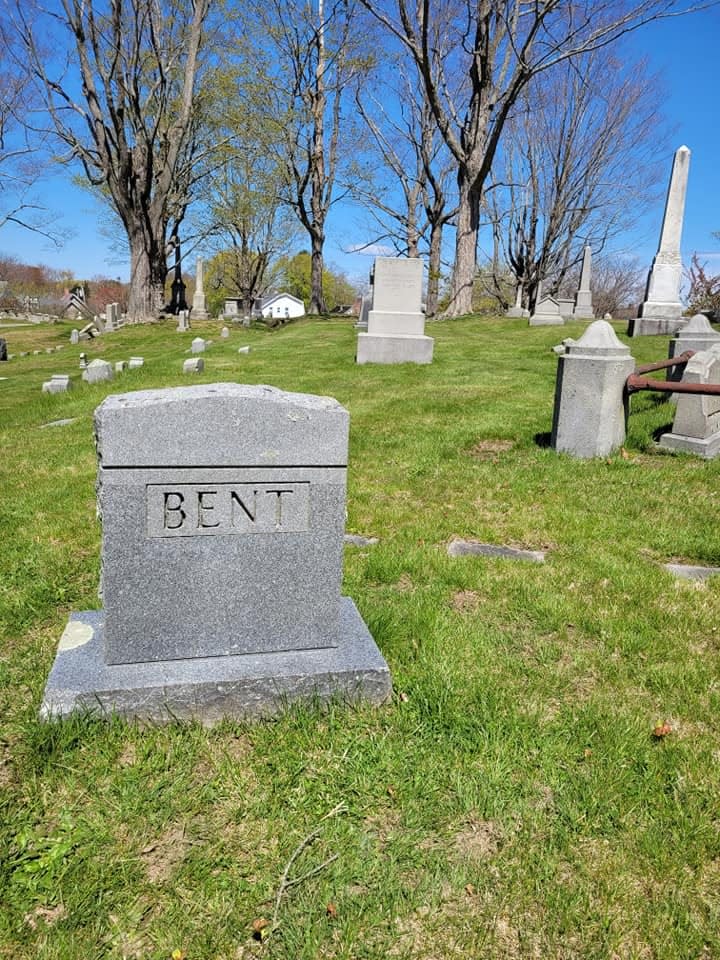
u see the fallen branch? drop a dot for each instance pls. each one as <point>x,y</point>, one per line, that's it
<point>285,881</point>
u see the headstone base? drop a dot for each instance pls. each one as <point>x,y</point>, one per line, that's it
<point>546,320</point>
<point>394,348</point>
<point>655,326</point>
<point>250,686</point>
<point>519,312</point>
<point>708,448</point>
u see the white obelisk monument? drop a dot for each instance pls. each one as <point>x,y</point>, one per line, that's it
<point>199,307</point>
<point>661,313</point>
<point>583,309</point>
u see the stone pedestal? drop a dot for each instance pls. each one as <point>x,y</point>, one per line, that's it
<point>396,323</point>
<point>661,311</point>
<point>590,398</point>
<point>223,511</point>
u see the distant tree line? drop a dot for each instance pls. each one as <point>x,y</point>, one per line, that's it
<point>241,127</point>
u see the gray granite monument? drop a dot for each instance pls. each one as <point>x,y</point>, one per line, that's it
<point>590,398</point>
<point>396,323</point>
<point>194,365</point>
<point>223,511</point>
<point>661,312</point>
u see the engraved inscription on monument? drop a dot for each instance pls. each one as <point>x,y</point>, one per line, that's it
<point>224,509</point>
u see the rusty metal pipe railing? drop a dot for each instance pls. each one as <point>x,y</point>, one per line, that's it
<point>678,361</point>
<point>636,382</point>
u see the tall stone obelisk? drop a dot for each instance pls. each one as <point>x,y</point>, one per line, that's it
<point>661,312</point>
<point>583,309</point>
<point>199,307</point>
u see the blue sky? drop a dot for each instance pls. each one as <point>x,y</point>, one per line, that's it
<point>683,50</point>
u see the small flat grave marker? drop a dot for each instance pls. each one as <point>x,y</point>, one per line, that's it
<point>466,548</point>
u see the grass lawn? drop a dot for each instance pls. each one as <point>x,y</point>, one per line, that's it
<point>511,801</point>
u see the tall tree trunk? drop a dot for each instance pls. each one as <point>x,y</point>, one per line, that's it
<point>147,282</point>
<point>317,298</point>
<point>431,301</point>
<point>466,238</point>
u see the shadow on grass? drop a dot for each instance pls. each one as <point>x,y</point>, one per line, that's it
<point>543,439</point>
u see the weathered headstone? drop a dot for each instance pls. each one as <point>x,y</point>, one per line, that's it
<point>221,568</point>
<point>112,317</point>
<point>97,371</point>
<point>365,308</point>
<point>121,366</point>
<point>583,306</point>
<point>83,361</point>
<point>198,345</point>
<point>696,427</point>
<point>194,365</point>
<point>696,334</point>
<point>58,383</point>
<point>661,312</point>
<point>224,333</point>
<point>75,336</point>
<point>183,324</point>
<point>396,323</point>
<point>135,362</point>
<point>546,313</point>
<point>199,306</point>
<point>243,349</point>
<point>590,398</point>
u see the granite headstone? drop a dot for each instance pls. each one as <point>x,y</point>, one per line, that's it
<point>223,509</point>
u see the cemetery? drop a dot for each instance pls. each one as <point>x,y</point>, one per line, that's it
<point>349,607</point>
<point>525,706</point>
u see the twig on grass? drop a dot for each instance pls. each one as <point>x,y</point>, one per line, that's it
<point>285,881</point>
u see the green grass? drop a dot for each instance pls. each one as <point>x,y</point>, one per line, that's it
<point>511,801</point>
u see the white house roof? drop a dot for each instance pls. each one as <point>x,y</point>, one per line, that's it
<point>279,296</point>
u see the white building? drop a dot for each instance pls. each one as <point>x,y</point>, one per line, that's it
<point>280,306</point>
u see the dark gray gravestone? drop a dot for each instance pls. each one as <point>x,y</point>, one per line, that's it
<point>3,349</point>
<point>223,511</point>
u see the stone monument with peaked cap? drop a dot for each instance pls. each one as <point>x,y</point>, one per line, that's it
<point>199,307</point>
<point>661,311</point>
<point>223,513</point>
<point>583,309</point>
<point>590,398</point>
<point>547,310</point>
